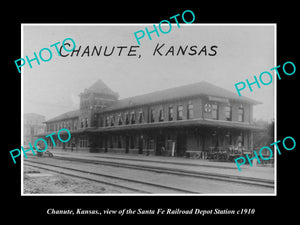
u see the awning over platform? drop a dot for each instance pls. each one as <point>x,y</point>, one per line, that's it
<point>193,123</point>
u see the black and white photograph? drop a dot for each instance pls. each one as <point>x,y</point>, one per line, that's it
<point>143,112</point>
<point>178,113</point>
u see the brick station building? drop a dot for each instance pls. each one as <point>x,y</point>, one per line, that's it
<point>186,120</point>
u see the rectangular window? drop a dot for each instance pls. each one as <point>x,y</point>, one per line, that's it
<point>214,112</point>
<point>180,112</point>
<point>75,125</point>
<point>241,114</point>
<point>171,113</point>
<point>152,119</point>
<point>83,142</point>
<point>101,121</point>
<point>141,117</point>
<point>126,118</point>
<point>228,113</point>
<point>95,121</point>
<point>112,120</point>
<point>132,118</point>
<point>120,120</point>
<point>106,121</point>
<point>161,115</point>
<point>190,110</point>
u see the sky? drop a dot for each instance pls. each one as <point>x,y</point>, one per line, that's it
<point>53,87</point>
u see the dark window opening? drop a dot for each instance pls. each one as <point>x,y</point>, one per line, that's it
<point>112,120</point>
<point>228,113</point>
<point>152,120</point>
<point>241,114</point>
<point>126,118</point>
<point>161,115</point>
<point>180,112</point>
<point>171,113</point>
<point>120,120</point>
<point>141,117</point>
<point>132,118</point>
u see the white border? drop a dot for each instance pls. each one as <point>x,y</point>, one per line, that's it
<point>143,24</point>
<point>22,113</point>
<point>275,110</point>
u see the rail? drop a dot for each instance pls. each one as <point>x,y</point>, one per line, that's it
<point>181,172</point>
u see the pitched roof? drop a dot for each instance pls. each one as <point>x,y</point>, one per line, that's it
<point>190,90</point>
<point>67,115</point>
<point>101,88</point>
<point>181,92</point>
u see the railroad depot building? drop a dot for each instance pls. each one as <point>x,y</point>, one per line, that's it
<point>191,119</point>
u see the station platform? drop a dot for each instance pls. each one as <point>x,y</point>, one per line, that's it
<point>182,163</point>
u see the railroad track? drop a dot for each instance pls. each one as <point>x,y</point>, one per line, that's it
<point>166,162</point>
<point>132,185</point>
<point>214,176</point>
<point>155,161</point>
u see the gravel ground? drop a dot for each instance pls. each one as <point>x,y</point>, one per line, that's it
<point>38,181</point>
<point>61,184</point>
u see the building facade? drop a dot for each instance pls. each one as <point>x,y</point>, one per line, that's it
<point>193,120</point>
<point>33,126</point>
